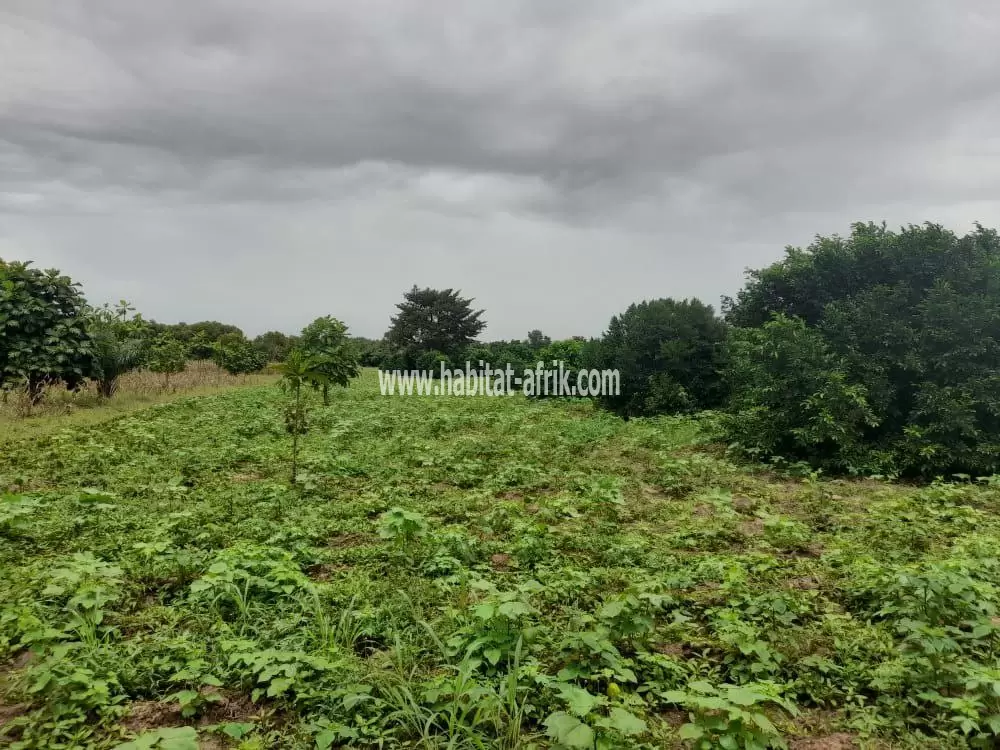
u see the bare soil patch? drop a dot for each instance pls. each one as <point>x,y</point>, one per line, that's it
<point>147,715</point>
<point>500,561</point>
<point>839,741</point>
<point>9,712</point>
<point>350,539</point>
<point>244,478</point>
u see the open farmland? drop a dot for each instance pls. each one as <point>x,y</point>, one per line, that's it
<point>477,573</point>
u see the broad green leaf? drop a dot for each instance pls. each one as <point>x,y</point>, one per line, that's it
<point>170,738</point>
<point>579,701</point>
<point>278,686</point>
<point>326,738</point>
<point>611,609</point>
<point>625,722</point>
<point>743,696</point>
<point>700,686</point>
<point>690,732</point>
<point>237,730</point>
<point>569,731</point>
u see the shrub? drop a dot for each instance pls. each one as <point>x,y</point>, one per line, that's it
<point>371,352</point>
<point>237,356</point>
<point>669,353</point>
<point>790,395</point>
<point>910,326</point>
<point>119,345</point>
<point>167,356</point>
<point>298,370</point>
<point>43,329</point>
<point>498,354</point>
<point>432,361</point>
<point>199,338</point>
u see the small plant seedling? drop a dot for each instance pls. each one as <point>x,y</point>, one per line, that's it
<point>403,527</point>
<point>298,370</point>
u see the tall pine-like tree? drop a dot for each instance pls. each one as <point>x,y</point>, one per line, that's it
<point>433,320</point>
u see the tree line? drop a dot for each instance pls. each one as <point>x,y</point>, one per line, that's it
<point>878,352</point>
<point>50,335</point>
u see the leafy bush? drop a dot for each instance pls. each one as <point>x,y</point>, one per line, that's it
<point>43,329</point>
<point>728,716</point>
<point>371,352</point>
<point>900,362</point>
<point>498,354</point>
<point>167,356</point>
<point>237,356</point>
<point>568,351</point>
<point>199,338</point>
<point>403,527</point>
<point>298,370</point>
<point>669,354</point>
<point>790,395</point>
<point>432,361</point>
<point>119,345</point>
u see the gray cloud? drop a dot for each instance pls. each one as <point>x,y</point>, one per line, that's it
<point>557,160</point>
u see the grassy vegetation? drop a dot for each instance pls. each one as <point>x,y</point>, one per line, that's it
<point>478,573</point>
<point>59,407</point>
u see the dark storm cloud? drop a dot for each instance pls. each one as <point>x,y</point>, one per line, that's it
<point>573,142</point>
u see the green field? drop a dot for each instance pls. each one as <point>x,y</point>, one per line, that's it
<point>478,573</point>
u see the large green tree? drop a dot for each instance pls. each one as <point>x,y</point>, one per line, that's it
<point>913,318</point>
<point>44,335</point>
<point>433,320</point>
<point>275,345</point>
<point>669,355</point>
<point>537,340</point>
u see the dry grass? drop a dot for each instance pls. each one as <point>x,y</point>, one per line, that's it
<point>60,407</point>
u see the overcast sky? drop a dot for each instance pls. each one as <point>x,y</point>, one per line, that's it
<point>263,163</point>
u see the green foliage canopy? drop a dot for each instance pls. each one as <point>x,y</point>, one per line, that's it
<point>913,319</point>
<point>119,345</point>
<point>168,356</point>
<point>791,395</point>
<point>200,338</point>
<point>237,356</point>
<point>433,320</point>
<point>669,353</point>
<point>43,328</point>
<point>332,353</point>
<point>275,345</point>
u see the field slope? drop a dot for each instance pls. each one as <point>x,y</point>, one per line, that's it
<point>477,573</point>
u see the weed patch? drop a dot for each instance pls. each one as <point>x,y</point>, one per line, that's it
<point>473,573</point>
